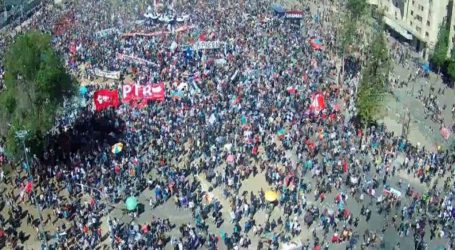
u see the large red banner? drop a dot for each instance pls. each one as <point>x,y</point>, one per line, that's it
<point>105,98</point>
<point>149,92</point>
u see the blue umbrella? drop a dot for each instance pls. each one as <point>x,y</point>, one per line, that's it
<point>83,90</point>
<point>426,67</point>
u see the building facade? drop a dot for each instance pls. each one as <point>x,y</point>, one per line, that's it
<point>417,21</point>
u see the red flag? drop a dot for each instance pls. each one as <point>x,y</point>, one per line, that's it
<point>292,90</point>
<point>105,98</point>
<point>29,187</point>
<point>202,37</point>
<point>255,150</point>
<point>345,166</point>
<point>237,100</point>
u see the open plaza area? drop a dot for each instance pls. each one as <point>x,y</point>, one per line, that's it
<point>209,124</point>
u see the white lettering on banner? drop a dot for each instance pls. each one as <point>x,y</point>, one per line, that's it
<point>297,16</point>
<point>102,98</point>
<point>135,59</point>
<point>147,90</point>
<point>126,90</point>
<point>156,90</point>
<point>207,45</point>
<point>107,74</point>
<point>136,89</point>
<point>294,14</point>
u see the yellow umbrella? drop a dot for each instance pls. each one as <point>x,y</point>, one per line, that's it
<point>271,196</point>
<point>117,148</point>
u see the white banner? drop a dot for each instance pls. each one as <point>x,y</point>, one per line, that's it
<point>134,59</point>
<point>107,32</point>
<point>107,74</point>
<point>294,14</point>
<point>207,45</point>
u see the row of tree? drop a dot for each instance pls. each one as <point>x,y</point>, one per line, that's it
<point>36,83</point>
<point>440,58</point>
<point>375,69</point>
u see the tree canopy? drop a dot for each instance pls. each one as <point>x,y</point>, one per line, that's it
<point>36,84</point>
<point>451,69</point>
<point>347,35</point>
<point>374,80</point>
<point>441,48</point>
<point>356,8</point>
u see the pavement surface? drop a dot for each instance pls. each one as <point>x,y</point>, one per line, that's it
<point>178,216</point>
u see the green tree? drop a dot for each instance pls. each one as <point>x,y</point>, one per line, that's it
<point>451,65</point>
<point>356,8</point>
<point>349,30</point>
<point>346,38</point>
<point>374,80</point>
<point>451,69</point>
<point>36,84</point>
<point>441,48</point>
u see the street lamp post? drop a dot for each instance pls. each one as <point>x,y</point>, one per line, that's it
<point>21,134</point>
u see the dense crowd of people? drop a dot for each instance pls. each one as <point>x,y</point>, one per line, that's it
<point>245,112</point>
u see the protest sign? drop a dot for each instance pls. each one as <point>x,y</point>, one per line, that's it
<point>149,92</point>
<point>294,14</point>
<point>107,74</point>
<point>106,32</point>
<point>207,45</point>
<point>136,59</point>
